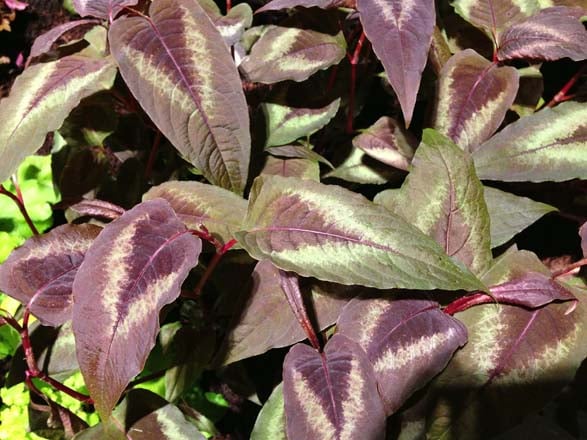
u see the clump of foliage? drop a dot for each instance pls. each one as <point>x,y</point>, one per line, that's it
<point>235,183</point>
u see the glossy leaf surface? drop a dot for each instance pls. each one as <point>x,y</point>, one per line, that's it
<point>220,211</point>
<point>400,32</point>
<point>443,197</point>
<point>548,145</point>
<point>41,272</point>
<point>105,9</point>
<point>181,72</point>
<point>473,98</point>
<point>291,54</point>
<point>135,266</point>
<point>331,395</point>
<point>387,142</point>
<point>335,235</point>
<point>40,100</point>
<point>408,342</point>
<point>551,34</point>
<point>270,423</point>
<point>286,124</point>
<point>511,214</point>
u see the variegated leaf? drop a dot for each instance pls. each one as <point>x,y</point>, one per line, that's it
<point>182,74</point>
<point>135,266</point>
<point>359,167</point>
<point>299,152</point>
<point>286,124</point>
<point>408,342</point>
<point>336,235</point>
<point>44,42</point>
<point>331,395</point>
<point>40,273</point>
<point>40,100</point>
<point>548,145</point>
<point>511,214</point>
<point>551,34</point>
<point>270,423</point>
<point>277,5</point>
<point>220,211</point>
<point>400,33</point>
<point>105,9</point>
<point>443,197</point>
<point>283,53</point>
<point>232,25</point>
<point>266,320</point>
<point>292,167</point>
<point>473,98</point>
<point>387,142</point>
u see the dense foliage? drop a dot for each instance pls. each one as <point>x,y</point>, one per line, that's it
<point>295,223</point>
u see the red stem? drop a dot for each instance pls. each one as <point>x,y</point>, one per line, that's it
<point>228,6</point>
<point>153,155</point>
<point>20,203</point>
<point>466,302</point>
<point>562,96</point>
<point>569,268</point>
<point>354,60</point>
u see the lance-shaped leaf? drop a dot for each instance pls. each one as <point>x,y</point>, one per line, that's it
<point>94,208</point>
<point>400,33</point>
<point>336,235</point>
<point>293,167</point>
<point>232,25</point>
<point>387,142</point>
<point>278,5</point>
<point>181,72</point>
<point>40,100</point>
<point>443,197</point>
<point>473,98</point>
<point>551,34</point>
<point>40,273</point>
<point>135,266</point>
<point>359,167</point>
<point>548,145</point>
<point>270,423</point>
<point>331,395</point>
<point>292,54</point>
<point>105,9</point>
<point>511,214</point>
<point>266,320</point>
<point>220,211</point>
<point>531,290</point>
<point>44,42</point>
<point>408,342</point>
<point>299,152</point>
<point>286,124</point>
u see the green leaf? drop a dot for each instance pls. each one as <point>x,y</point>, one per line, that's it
<point>360,167</point>
<point>336,235</point>
<point>511,214</point>
<point>292,167</point>
<point>443,197</point>
<point>286,124</point>
<point>283,53</point>
<point>270,422</point>
<point>550,145</point>
<point>40,100</point>
<point>9,341</point>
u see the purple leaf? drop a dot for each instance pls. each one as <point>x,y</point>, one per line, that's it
<point>181,72</point>
<point>97,208</point>
<point>135,266</point>
<point>551,34</point>
<point>16,5</point>
<point>473,98</point>
<point>41,272</point>
<point>583,235</point>
<point>105,9</point>
<point>407,341</point>
<point>387,142</point>
<point>44,42</point>
<point>277,5</point>
<point>400,33</point>
<point>532,290</point>
<point>331,395</point>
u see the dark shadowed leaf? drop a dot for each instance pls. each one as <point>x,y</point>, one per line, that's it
<point>292,167</point>
<point>181,72</point>
<point>400,33</point>
<point>286,124</point>
<point>299,152</point>
<point>220,211</point>
<point>511,214</point>
<point>551,34</point>
<point>105,9</point>
<point>44,42</point>
<point>277,5</point>
<point>387,142</point>
<point>336,235</point>
<point>443,197</point>
<point>135,266</point>
<point>94,208</point>
<point>548,145</point>
<point>359,167</point>
<point>331,395</point>
<point>266,320</point>
<point>529,92</point>
<point>292,54</point>
<point>41,272</point>
<point>40,100</point>
<point>232,25</point>
<point>473,98</point>
<point>270,422</point>
<point>407,341</point>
